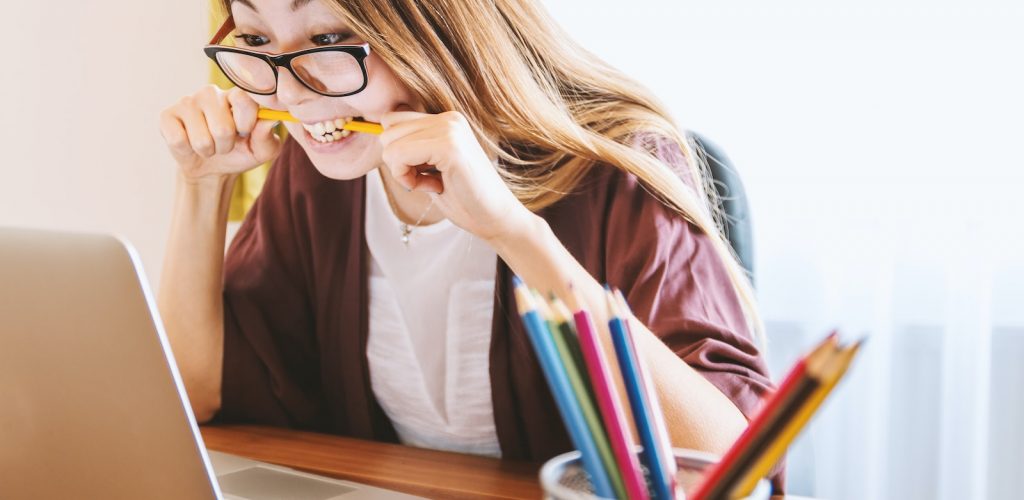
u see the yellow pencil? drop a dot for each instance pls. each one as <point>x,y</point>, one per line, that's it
<point>778,447</point>
<point>355,126</point>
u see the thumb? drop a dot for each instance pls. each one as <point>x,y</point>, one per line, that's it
<point>263,142</point>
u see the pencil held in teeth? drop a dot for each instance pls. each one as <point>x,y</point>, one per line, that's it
<point>346,125</point>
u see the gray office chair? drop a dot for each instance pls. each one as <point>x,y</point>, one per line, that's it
<point>732,201</point>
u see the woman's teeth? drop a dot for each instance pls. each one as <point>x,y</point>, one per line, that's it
<point>330,130</point>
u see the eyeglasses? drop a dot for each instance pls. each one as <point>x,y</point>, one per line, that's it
<point>333,71</point>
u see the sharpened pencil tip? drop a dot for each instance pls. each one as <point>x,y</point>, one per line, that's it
<point>524,301</point>
<point>859,343</point>
<point>613,306</point>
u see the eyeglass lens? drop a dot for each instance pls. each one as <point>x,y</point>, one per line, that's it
<point>328,71</point>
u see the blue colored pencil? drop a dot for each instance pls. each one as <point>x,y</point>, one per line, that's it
<point>660,429</point>
<point>558,382</point>
<point>643,404</point>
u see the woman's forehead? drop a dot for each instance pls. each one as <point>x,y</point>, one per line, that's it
<point>269,9</point>
<point>255,5</point>
<point>281,13</point>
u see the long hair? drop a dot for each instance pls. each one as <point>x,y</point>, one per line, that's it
<point>545,107</point>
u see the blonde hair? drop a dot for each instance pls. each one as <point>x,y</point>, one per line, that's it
<point>540,103</point>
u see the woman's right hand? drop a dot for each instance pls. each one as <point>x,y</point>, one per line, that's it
<point>214,133</point>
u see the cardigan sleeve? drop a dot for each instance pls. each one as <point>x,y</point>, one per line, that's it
<point>677,285</point>
<point>267,318</point>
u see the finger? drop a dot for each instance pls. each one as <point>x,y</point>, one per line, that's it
<point>428,183</point>
<point>421,147</point>
<point>394,117</point>
<point>402,160</point>
<point>399,131</point>
<point>420,178</point>
<point>243,110</point>
<point>217,112</point>
<point>173,132</point>
<point>199,137</point>
<point>264,143</point>
<point>402,174</point>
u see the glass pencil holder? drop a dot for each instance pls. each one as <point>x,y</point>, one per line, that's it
<point>563,478</point>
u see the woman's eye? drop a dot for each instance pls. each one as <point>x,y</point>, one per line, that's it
<point>329,38</point>
<point>252,40</point>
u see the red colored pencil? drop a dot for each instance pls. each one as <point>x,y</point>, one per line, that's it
<point>766,418</point>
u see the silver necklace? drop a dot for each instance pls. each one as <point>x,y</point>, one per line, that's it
<point>406,229</point>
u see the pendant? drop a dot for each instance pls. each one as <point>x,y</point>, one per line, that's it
<point>405,234</point>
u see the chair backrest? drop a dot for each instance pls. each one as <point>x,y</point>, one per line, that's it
<point>732,201</point>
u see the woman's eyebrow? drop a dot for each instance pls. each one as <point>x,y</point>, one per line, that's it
<point>296,4</point>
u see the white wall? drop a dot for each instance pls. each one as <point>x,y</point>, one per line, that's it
<point>81,89</point>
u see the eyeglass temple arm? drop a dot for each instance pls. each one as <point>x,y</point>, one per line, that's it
<point>229,24</point>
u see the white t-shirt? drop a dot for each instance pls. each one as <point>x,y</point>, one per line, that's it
<point>431,305</point>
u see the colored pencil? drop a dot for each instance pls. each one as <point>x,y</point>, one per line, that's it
<point>778,422</point>
<point>558,381</point>
<point>612,412</point>
<point>581,379</point>
<point>662,475</point>
<point>830,377</point>
<point>563,318</point>
<point>756,434</point>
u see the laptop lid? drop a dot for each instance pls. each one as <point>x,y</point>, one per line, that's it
<point>91,402</point>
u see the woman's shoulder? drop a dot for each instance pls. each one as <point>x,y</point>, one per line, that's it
<point>609,189</point>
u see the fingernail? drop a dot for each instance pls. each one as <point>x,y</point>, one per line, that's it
<point>243,134</point>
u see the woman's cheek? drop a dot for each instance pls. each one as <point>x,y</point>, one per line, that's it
<point>266,101</point>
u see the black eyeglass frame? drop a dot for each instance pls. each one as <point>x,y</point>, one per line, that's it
<point>359,52</point>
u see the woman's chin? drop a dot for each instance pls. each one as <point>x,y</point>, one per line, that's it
<point>350,159</point>
<point>342,172</point>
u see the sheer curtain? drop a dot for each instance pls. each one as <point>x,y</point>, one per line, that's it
<point>881,148</point>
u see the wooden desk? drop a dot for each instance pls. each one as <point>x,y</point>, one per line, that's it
<point>428,473</point>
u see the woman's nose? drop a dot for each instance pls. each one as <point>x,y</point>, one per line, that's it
<point>290,91</point>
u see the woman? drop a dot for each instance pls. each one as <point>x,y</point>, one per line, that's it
<point>368,292</point>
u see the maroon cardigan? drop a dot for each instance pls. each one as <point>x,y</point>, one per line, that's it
<point>296,306</point>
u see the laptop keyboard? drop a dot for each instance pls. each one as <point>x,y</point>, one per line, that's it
<point>260,483</point>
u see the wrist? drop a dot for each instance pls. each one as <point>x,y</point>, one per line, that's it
<point>208,197</point>
<point>522,224</point>
<point>213,184</point>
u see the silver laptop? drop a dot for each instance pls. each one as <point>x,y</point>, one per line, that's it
<point>91,402</point>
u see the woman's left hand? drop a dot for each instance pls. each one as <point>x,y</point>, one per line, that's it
<point>468,189</point>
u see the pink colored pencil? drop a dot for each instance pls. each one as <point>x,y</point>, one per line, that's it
<point>611,408</point>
